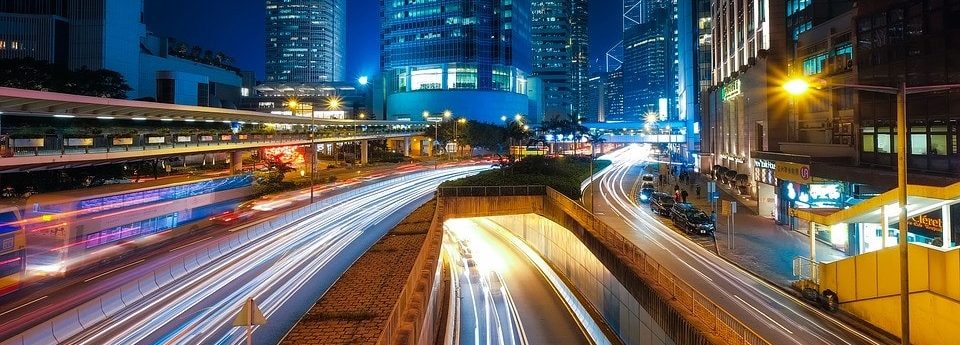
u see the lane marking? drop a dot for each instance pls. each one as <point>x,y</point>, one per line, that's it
<point>114,270</point>
<point>23,305</point>
<point>761,313</point>
<point>190,244</point>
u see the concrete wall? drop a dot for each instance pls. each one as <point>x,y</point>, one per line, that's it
<point>573,260</point>
<point>868,286</point>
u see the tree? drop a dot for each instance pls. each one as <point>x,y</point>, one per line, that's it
<point>31,74</point>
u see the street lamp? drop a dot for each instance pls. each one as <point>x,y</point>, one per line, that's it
<point>363,80</point>
<point>798,87</point>
<point>296,107</point>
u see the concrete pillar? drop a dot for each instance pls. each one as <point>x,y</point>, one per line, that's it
<point>364,152</point>
<point>947,233</point>
<point>236,161</point>
<point>406,146</point>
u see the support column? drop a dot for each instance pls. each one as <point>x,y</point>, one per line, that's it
<point>364,152</point>
<point>947,233</point>
<point>406,146</point>
<point>236,161</point>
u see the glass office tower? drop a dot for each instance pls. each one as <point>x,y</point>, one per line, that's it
<point>469,57</point>
<point>306,41</point>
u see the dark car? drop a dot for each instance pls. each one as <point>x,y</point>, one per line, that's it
<point>680,210</point>
<point>661,203</point>
<point>646,191</point>
<point>698,223</point>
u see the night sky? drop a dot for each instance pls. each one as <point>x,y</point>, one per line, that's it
<point>236,27</point>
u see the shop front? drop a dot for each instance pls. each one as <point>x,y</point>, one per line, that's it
<point>764,177</point>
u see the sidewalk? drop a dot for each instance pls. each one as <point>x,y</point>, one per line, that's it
<point>759,244</point>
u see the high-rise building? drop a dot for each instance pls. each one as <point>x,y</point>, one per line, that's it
<point>613,96</point>
<point>559,38</point>
<point>469,57</point>
<point>649,69</point>
<point>594,109</point>
<point>306,41</point>
<point>693,49</point>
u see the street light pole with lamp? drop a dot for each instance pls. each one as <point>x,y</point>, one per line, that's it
<point>800,86</point>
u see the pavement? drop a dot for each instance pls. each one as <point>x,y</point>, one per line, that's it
<point>758,244</point>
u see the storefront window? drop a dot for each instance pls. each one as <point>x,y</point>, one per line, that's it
<point>883,143</point>
<point>426,79</point>
<point>869,143</point>
<point>938,144</point>
<point>918,144</point>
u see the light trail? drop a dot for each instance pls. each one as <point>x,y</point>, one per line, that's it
<point>271,268</point>
<point>735,290</point>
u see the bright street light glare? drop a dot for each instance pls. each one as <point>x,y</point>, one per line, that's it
<point>796,86</point>
<point>363,80</point>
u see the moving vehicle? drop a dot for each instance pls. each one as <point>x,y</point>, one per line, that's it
<point>68,230</point>
<point>12,249</point>
<point>646,190</point>
<point>647,178</point>
<point>661,203</point>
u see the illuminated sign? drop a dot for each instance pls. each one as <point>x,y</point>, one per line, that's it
<point>764,164</point>
<point>793,172</point>
<point>730,90</point>
<point>926,222</point>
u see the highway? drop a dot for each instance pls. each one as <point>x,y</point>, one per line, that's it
<point>503,297</point>
<point>275,269</point>
<point>775,315</point>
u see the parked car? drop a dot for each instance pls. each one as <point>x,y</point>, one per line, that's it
<point>661,203</point>
<point>646,190</point>
<point>698,223</point>
<point>679,210</point>
<point>647,178</point>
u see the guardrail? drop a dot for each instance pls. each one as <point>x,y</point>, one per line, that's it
<point>87,315</point>
<point>414,316</point>
<point>59,145</point>
<point>698,309</point>
<point>491,191</point>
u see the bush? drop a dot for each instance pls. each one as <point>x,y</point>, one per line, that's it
<point>563,174</point>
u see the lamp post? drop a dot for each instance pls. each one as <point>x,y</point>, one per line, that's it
<point>456,136</point>
<point>800,86</point>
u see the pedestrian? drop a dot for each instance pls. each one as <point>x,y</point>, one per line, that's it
<point>698,191</point>
<point>676,196</point>
<point>684,195</point>
<point>713,218</point>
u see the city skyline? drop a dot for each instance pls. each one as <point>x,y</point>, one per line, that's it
<point>238,34</point>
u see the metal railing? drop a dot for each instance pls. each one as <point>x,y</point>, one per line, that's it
<point>805,268</point>
<point>44,145</point>
<point>491,191</point>
<point>698,309</point>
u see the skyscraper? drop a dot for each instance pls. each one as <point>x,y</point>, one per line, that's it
<point>650,65</point>
<point>469,57</point>
<point>559,35</point>
<point>694,41</point>
<point>306,41</point>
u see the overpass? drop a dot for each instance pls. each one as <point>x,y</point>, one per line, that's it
<point>83,131</point>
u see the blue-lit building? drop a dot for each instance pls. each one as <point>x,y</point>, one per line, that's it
<point>559,38</point>
<point>439,56</point>
<point>694,40</point>
<point>650,61</point>
<point>305,41</point>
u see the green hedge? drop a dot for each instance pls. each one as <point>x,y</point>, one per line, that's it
<point>564,174</point>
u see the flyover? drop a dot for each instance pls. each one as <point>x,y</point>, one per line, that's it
<point>53,148</point>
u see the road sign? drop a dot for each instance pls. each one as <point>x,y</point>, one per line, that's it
<point>249,315</point>
<point>434,119</point>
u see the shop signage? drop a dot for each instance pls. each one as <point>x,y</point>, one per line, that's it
<point>793,172</point>
<point>765,164</point>
<point>123,141</point>
<point>731,90</point>
<point>926,222</point>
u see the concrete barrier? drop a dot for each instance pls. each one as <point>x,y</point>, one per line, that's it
<point>130,292</point>
<point>91,312</point>
<point>178,269</point>
<point>163,276</point>
<point>40,334</point>
<point>111,302</point>
<point>66,325</point>
<point>148,284</point>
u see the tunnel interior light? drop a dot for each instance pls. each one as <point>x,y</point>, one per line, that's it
<point>64,116</point>
<point>105,117</point>
<point>207,120</point>
<point>190,120</point>
<point>166,119</point>
<point>139,119</point>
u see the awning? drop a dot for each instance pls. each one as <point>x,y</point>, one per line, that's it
<point>920,199</point>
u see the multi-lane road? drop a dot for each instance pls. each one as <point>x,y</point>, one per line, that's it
<point>503,297</point>
<point>284,270</point>
<point>775,315</point>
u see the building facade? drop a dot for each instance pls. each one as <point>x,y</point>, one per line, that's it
<point>559,39</point>
<point>613,96</point>
<point>439,56</point>
<point>746,109</point>
<point>306,41</point>
<point>694,42</point>
<point>648,73</point>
